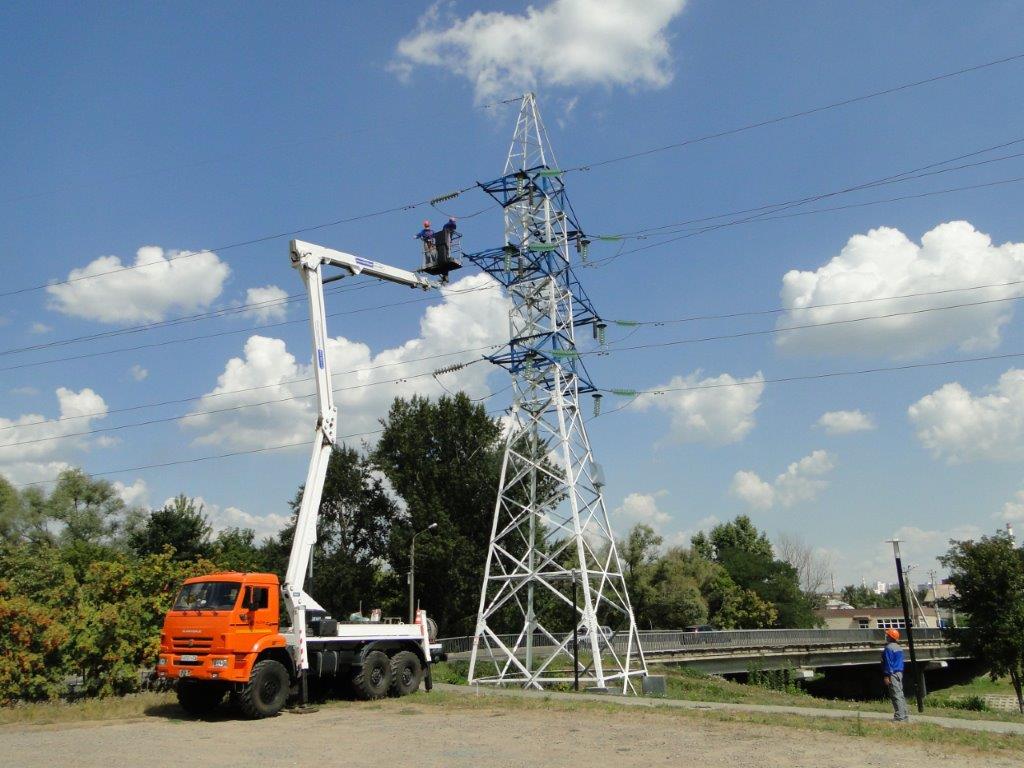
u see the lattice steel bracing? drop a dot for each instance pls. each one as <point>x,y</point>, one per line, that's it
<point>551,538</point>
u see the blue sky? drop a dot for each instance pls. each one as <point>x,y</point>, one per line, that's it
<point>196,127</point>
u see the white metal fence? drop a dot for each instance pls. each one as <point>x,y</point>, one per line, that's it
<point>658,641</point>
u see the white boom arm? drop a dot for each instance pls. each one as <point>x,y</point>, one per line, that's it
<point>310,259</point>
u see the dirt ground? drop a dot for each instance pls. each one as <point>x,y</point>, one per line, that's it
<point>400,733</point>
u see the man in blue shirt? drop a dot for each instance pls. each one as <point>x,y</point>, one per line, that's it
<point>892,674</point>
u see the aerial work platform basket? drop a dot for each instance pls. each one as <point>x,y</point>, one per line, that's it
<point>442,253</point>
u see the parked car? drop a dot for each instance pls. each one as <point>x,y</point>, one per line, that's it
<point>700,628</point>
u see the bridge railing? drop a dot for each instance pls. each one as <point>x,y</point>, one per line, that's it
<point>665,641</point>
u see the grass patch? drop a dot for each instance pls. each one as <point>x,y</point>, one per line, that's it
<point>912,733</point>
<point>109,708</point>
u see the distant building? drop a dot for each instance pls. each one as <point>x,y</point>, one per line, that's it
<point>881,588</point>
<point>876,618</point>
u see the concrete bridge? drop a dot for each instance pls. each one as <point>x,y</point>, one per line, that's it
<point>737,652</point>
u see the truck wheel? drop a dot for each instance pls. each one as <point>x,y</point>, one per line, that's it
<point>406,673</point>
<point>199,698</point>
<point>373,679</point>
<point>267,690</point>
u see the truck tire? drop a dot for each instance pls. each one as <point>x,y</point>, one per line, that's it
<point>267,690</point>
<point>199,698</point>
<point>406,673</point>
<point>373,678</point>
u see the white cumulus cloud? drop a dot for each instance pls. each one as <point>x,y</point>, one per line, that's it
<point>221,518</point>
<point>642,508</point>
<point>134,495</point>
<point>562,43</point>
<point>159,283</point>
<point>472,315</point>
<point>34,448</point>
<point>718,410</point>
<point>845,422</point>
<point>885,262</point>
<point>266,303</point>
<point>802,481</point>
<point>958,426</point>
<point>138,373</point>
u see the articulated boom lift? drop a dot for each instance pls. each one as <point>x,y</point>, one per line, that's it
<point>222,634</point>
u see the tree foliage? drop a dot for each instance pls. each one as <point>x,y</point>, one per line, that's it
<point>988,576</point>
<point>180,525</point>
<point>443,459</point>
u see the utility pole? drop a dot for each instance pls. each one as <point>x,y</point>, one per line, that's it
<point>918,677</point>
<point>412,572</point>
<point>549,516</point>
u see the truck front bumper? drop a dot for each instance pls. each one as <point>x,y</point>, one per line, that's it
<point>227,667</point>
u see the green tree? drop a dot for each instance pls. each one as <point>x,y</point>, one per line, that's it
<point>91,516</point>
<point>747,556</point>
<point>443,459</point>
<point>639,553</point>
<point>740,534</point>
<point>988,576</point>
<point>180,525</point>
<point>235,549</point>
<point>676,599</point>
<point>353,528</point>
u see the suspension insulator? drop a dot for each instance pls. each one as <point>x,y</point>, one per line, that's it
<point>600,328</point>
<point>597,403</point>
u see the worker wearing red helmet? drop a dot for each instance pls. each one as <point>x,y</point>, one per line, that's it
<point>426,233</point>
<point>892,674</point>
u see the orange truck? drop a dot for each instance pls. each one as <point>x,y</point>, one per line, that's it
<point>259,640</point>
<point>222,638</point>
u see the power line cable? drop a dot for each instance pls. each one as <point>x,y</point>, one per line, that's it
<point>184,319</point>
<point>795,115</point>
<point>909,175</point>
<point>213,411</point>
<point>233,331</point>
<point>811,377</point>
<point>214,457</point>
<point>725,225</point>
<point>226,392</point>
<point>790,328</point>
<point>779,310</point>
<point>586,167</point>
<point>242,243</point>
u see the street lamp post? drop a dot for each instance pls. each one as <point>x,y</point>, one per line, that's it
<point>412,572</point>
<point>918,677</point>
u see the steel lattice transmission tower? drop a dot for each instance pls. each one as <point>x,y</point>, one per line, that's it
<point>551,539</point>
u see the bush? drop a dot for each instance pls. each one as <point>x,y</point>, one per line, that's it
<point>973,702</point>
<point>32,643</point>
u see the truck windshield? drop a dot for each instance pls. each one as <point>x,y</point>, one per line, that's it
<point>207,596</point>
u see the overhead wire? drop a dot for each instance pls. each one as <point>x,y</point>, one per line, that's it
<point>792,328</point>
<point>795,115</point>
<point>223,393</point>
<point>595,263</point>
<point>214,457</point>
<point>584,167</point>
<point>227,409</point>
<point>930,169</point>
<point>231,332</point>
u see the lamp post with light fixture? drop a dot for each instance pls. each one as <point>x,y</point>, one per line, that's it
<point>412,572</point>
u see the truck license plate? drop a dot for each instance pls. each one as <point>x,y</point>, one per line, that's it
<point>189,657</point>
<point>184,672</point>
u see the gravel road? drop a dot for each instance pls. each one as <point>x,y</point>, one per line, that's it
<point>401,733</point>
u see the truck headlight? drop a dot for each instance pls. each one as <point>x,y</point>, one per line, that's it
<point>162,661</point>
<point>220,662</point>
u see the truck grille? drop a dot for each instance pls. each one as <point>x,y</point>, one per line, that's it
<point>197,645</point>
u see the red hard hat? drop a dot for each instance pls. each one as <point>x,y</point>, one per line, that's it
<point>892,634</point>
<point>426,224</point>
